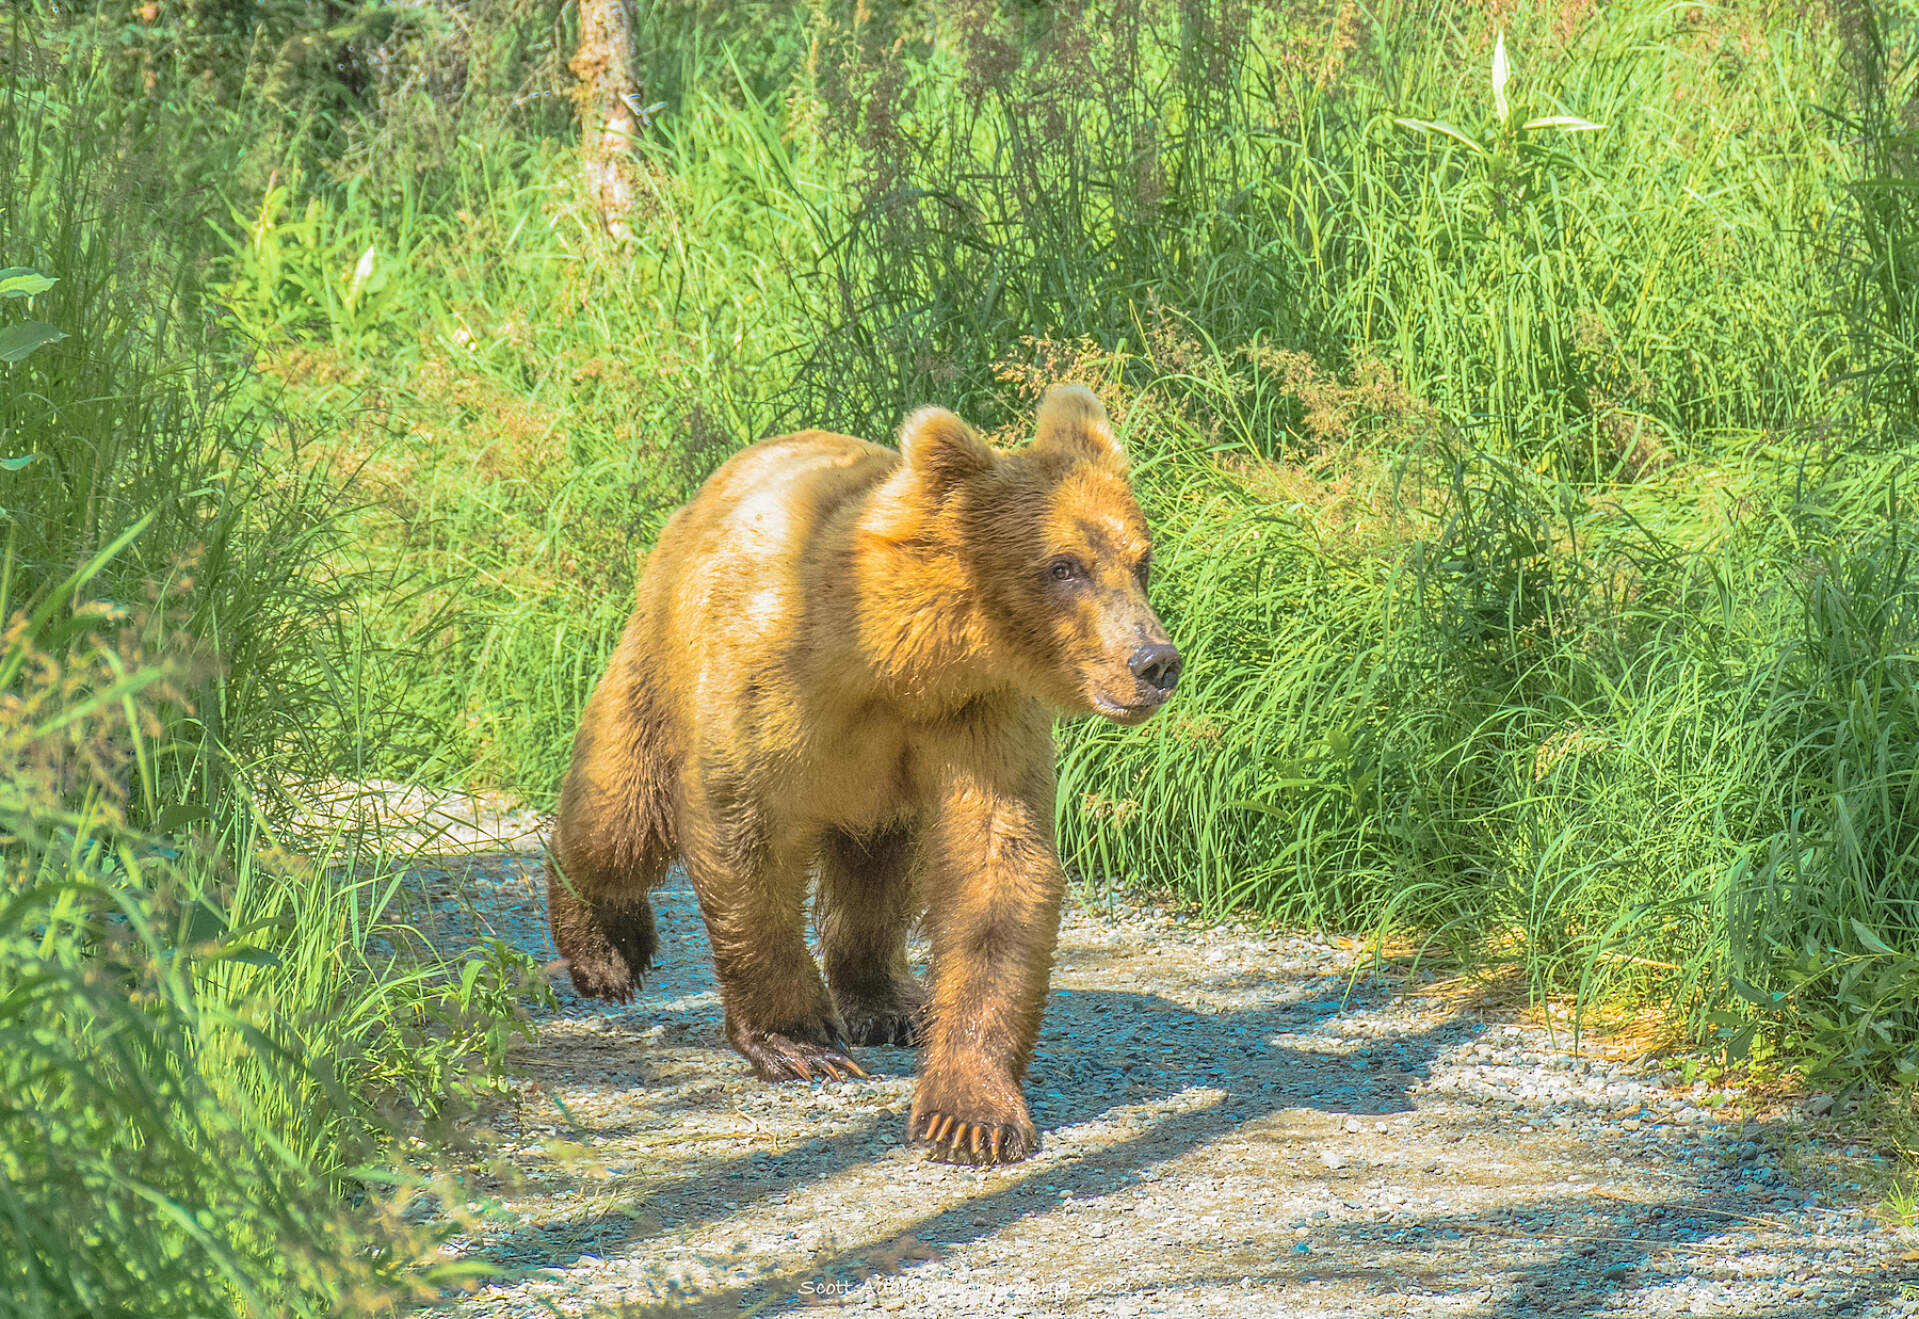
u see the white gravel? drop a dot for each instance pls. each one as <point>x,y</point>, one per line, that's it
<point>1228,1130</point>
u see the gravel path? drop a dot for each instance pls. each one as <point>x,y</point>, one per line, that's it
<point>1228,1131</point>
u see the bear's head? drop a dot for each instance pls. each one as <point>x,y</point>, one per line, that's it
<point>1054,552</point>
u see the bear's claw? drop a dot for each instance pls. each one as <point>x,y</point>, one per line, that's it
<point>951,1139</point>
<point>899,1029</point>
<point>776,1057</point>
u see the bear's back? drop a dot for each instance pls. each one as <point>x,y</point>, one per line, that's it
<point>736,573</point>
<point>773,504</point>
<point>747,604</point>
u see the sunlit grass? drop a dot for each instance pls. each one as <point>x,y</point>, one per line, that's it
<point>210,1029</point>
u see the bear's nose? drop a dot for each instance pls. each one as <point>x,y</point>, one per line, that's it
<point>1157,666</point>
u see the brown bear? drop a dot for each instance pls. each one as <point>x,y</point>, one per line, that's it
<point>845,666</point>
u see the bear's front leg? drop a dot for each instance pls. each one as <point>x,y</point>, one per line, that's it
<point>994,888</point>
<point>752,892</point>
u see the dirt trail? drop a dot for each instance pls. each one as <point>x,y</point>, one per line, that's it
<point>1228,1131</point>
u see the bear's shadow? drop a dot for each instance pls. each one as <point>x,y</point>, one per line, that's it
<point>1222,1071</point>
<point>1178,1075</point>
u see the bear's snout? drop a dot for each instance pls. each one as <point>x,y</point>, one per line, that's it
<point>1157,666</point>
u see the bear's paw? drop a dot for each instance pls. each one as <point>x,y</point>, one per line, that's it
<point>977,1130</point>
<point>796,1054</point>
<point>896,1018</point>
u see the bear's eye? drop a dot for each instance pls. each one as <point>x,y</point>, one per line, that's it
<point>1145,571</point>
<point>1065,570</point>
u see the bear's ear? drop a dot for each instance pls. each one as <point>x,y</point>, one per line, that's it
<point>942,450</point>
<point>1072,419</point>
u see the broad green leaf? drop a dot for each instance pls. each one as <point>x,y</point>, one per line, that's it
<point>250,956</point>
<point>1565,123</point>
<point>177,815</point>
<point>1440,126</point>
<point>23,282</point>
<point>16,341</point>
<point>1872,941</point>
<point>202,923</point>
<point>1502,74</point>
<point>1757,997</point>
<point>15,464</point>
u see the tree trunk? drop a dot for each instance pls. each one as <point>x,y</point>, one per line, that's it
<point>606,95</point>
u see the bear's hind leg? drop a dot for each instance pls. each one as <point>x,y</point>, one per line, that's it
<point>612,837</point>
<point>778,1015</point>
<point>865,905</point>
<point>608,946</point>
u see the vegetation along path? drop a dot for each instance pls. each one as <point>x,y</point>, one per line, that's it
<point>1233,1124</point>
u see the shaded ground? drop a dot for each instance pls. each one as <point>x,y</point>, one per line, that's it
<point>1227,1131</point>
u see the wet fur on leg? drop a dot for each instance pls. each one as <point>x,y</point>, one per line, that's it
<point>613,834</point>
<point>608,946</point>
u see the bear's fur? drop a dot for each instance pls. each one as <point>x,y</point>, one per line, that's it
<point>844,666</point>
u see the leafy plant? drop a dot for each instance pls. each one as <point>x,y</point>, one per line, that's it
<point>20,338</point>
<point>1503,142</point>
<point>311,276</point>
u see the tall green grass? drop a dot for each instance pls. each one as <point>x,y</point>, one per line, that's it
<point>206,1040</point>
<point>198,1034</point>
<point>1572,296</point>
<point>1546,730</point>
